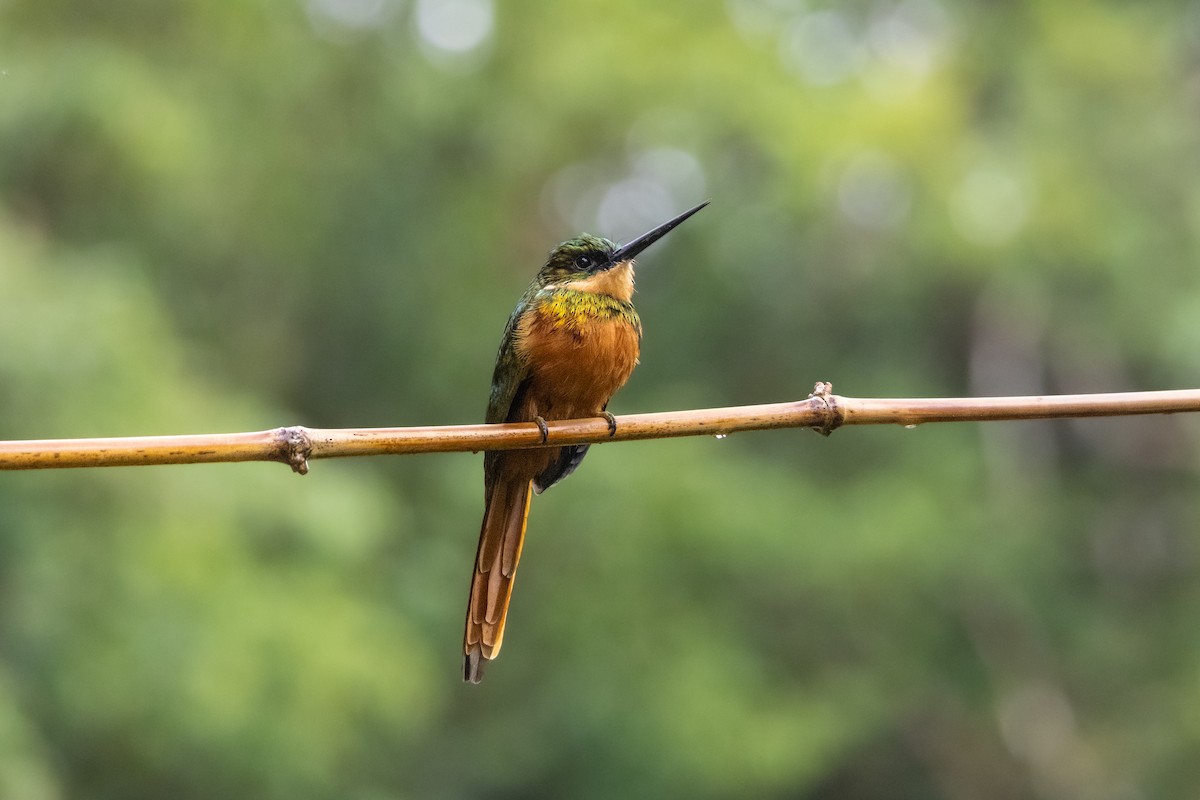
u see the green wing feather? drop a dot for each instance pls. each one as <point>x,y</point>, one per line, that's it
<point>509,380</point>
<point>510,373</point>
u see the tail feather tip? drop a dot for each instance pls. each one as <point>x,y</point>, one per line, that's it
<point>473,663</point>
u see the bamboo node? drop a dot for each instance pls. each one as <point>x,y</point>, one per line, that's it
<point>296,445</point>
<point>824,401</point>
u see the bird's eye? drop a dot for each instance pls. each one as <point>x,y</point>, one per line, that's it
<point>583,262</point>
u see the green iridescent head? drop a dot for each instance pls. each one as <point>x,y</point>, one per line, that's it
<point>579,257</point>
<point>586,254</point>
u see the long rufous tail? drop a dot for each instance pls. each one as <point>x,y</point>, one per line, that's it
<point>500,539</point>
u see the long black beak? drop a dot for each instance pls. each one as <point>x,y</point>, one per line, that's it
<point>626,252</point>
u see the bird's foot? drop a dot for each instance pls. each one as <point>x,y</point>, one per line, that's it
<point>612,423</point>
<point>541,423</point>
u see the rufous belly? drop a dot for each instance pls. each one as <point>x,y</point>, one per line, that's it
<point>575,369</point>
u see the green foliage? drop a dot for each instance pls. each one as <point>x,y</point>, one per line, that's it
<point>235,216</point>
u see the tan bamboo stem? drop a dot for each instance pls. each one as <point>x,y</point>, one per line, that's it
<point>822,411</point>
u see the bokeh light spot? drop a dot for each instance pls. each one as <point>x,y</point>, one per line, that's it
<point>910,36</point>
<point>873,191</point>
<point>821,48</point>
<point>658,183</point>
<point>1037,722</point>
<point>454,27</point>
<point>990,206</point>
<point>346,19</point>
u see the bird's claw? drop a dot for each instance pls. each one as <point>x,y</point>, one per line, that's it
<point>612,423</point>
<point>541,423</point>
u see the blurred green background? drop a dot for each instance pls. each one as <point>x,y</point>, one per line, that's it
<point>240,215</point>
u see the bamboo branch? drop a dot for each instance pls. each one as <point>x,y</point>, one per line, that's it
<point>823,411</point>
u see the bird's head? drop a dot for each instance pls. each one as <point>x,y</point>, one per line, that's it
<point>586,255</point>
<point>579,258</point>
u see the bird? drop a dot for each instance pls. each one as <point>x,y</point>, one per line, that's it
<point>571,342</point>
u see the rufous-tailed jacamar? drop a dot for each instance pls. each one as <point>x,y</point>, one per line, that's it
<point>571,342</point>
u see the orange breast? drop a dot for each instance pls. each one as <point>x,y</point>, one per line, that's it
<point>575,368</point>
